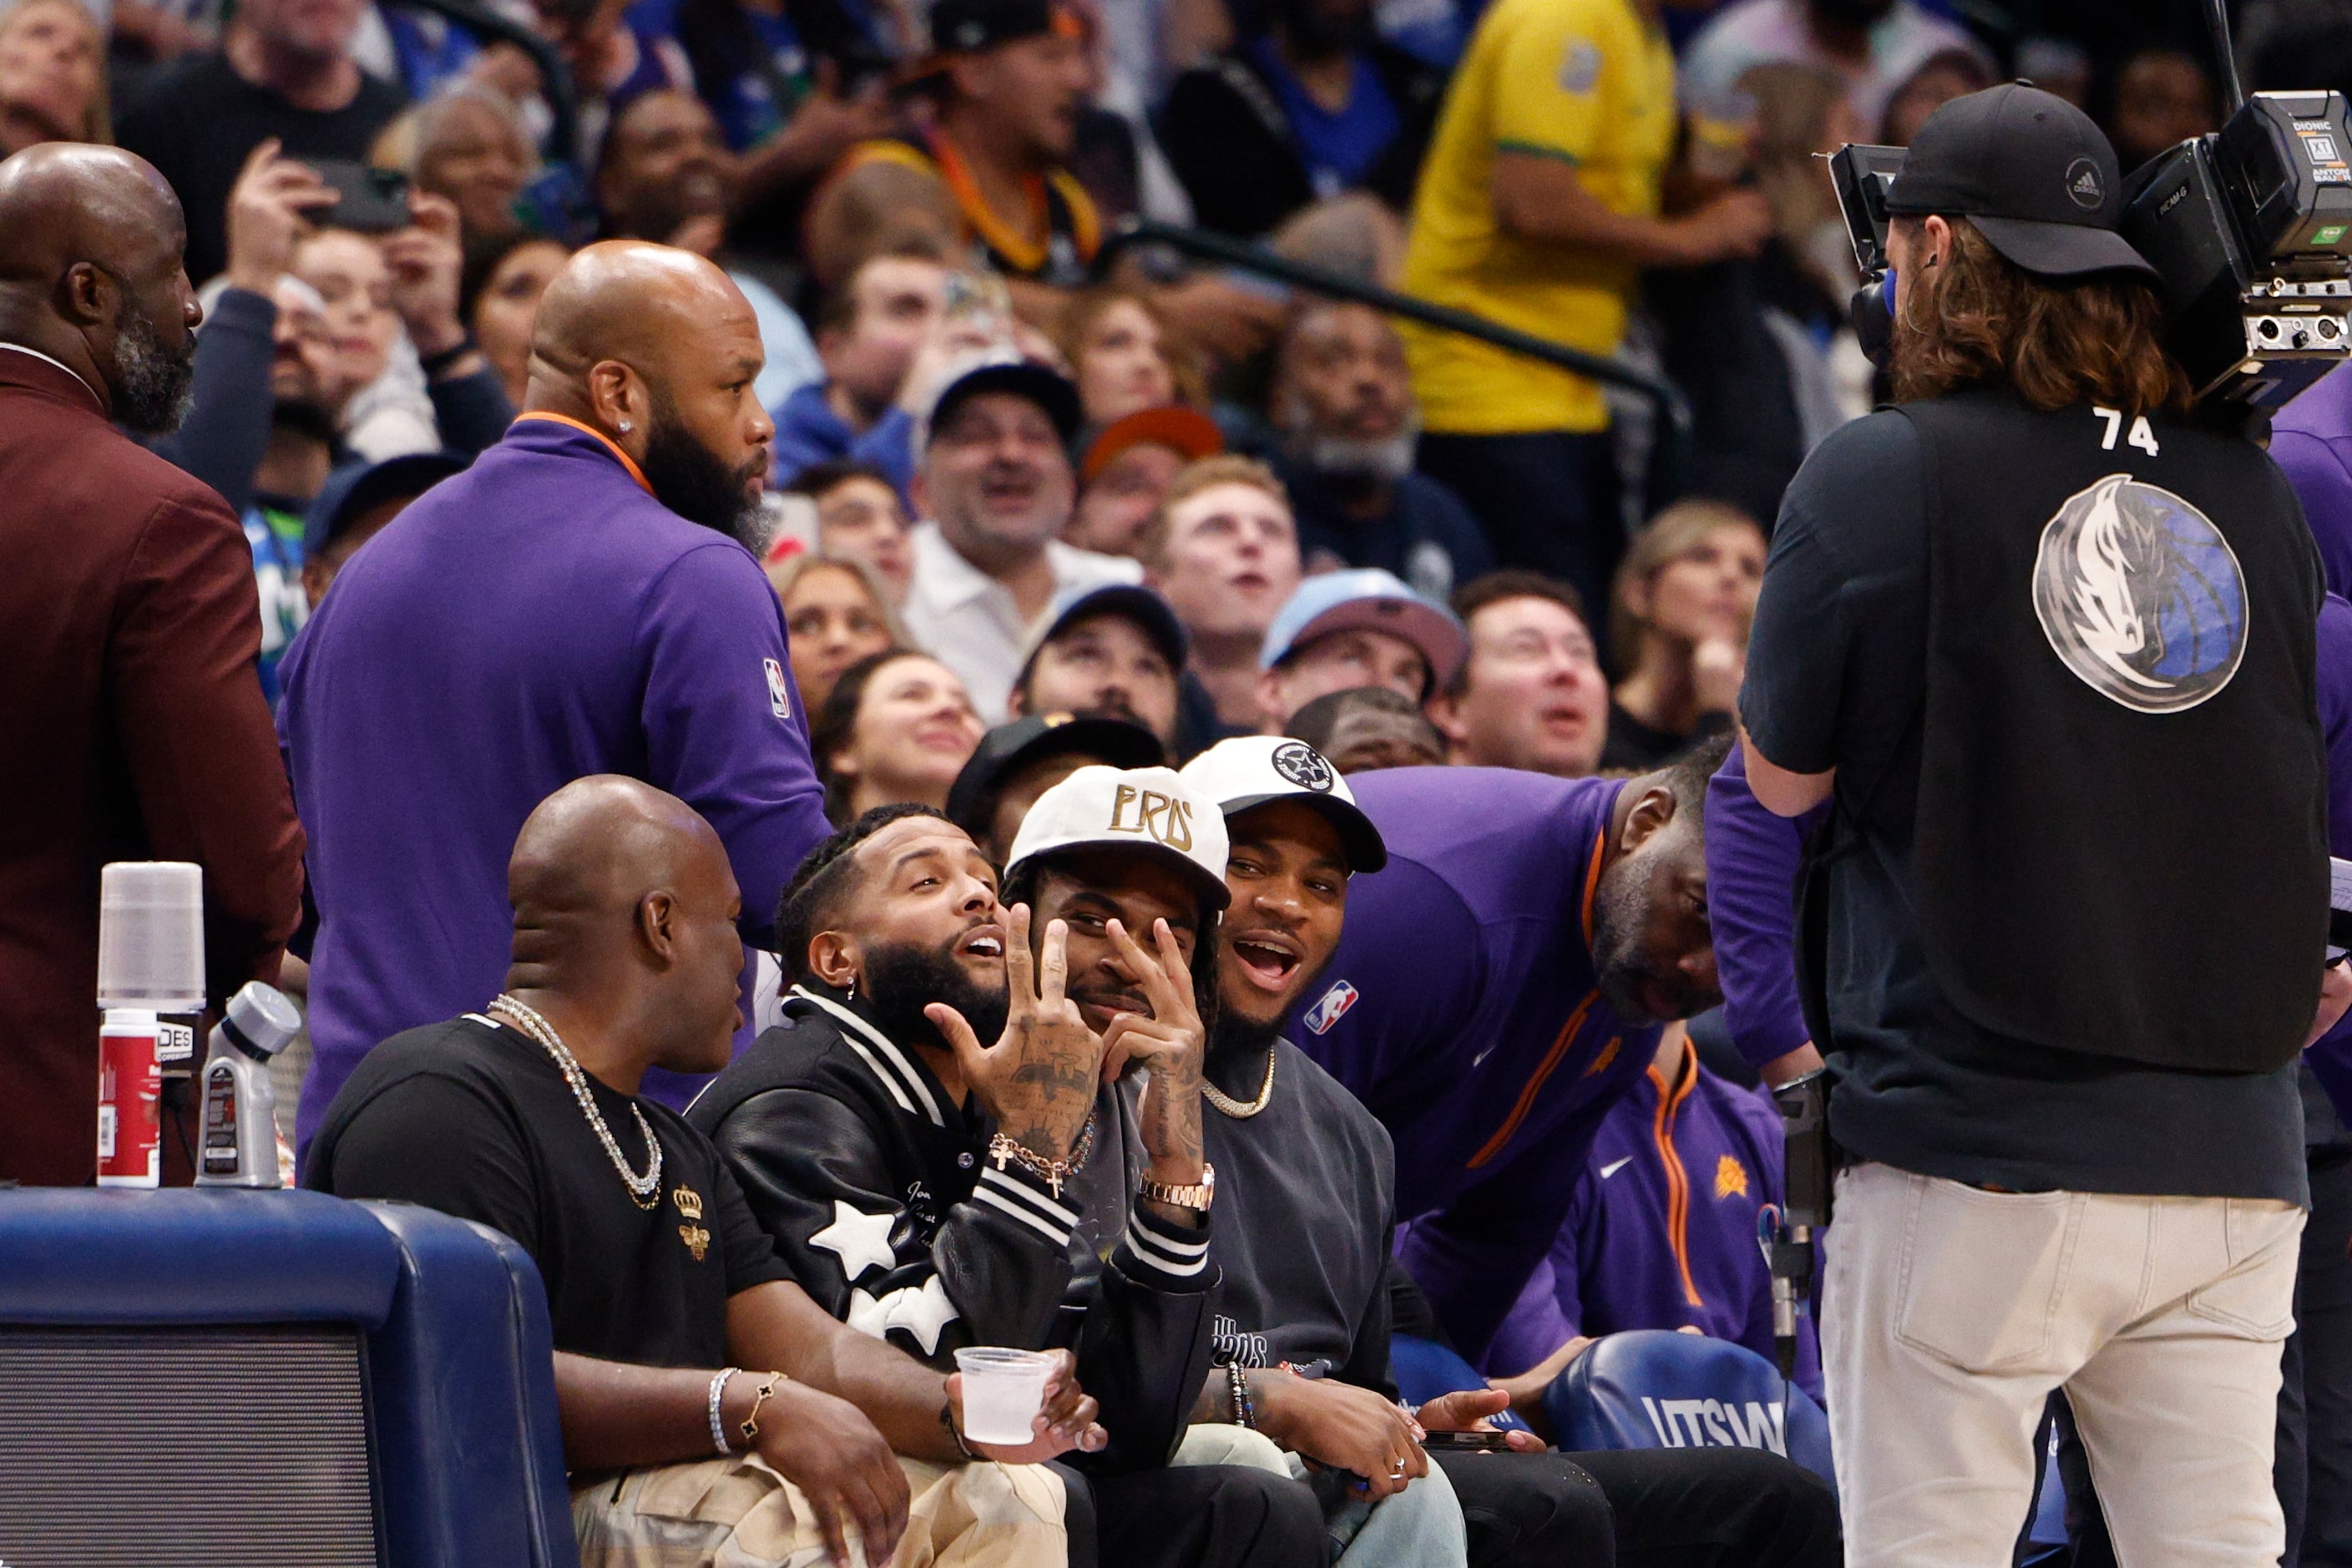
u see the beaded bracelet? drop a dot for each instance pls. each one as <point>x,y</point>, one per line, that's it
<point>1244,1411</point>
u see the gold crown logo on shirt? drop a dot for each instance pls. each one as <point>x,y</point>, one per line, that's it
<point>688,1201</point>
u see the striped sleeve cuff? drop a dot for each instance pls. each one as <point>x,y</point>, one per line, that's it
<point>1155,1252</point>
<point>1027,1198</point>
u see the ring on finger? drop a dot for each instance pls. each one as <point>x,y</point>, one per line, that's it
<point>1396,1471</point>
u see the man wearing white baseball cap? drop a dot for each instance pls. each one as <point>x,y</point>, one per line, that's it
<point>1308,1185</point>
<point>1346,629</point>
<point>1111,852</point>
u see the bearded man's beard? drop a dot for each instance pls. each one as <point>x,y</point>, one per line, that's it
<point>901,980</point>
<point>153,384</point>
<point>691,479</point>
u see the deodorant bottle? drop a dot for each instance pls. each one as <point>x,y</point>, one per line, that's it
<point>238,1147</point>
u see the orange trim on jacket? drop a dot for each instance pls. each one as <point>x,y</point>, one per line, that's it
<point>610,445</point>
<point>1534,1086</point>
<point>1670,1100</point>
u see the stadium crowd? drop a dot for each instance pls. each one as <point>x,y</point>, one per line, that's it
<point>706,619</point>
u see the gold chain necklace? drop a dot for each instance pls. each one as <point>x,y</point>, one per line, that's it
<point>1234,1108</point>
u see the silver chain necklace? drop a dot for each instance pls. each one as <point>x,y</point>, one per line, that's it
<point>1234,1108</point>
<point>643,1191</point>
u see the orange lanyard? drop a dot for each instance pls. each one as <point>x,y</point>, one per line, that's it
<point>1024,255</point>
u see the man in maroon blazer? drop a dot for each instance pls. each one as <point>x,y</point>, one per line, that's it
<point>132,723</point>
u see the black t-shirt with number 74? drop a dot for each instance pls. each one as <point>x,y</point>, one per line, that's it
<point>475,1118</point>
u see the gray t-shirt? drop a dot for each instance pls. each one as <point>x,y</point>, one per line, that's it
<point>1305,1205</point>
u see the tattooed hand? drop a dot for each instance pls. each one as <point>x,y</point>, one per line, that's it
<point>1038,1080</point>
<point>1171,1045</point>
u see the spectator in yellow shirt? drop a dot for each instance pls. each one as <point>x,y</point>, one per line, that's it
<point>1537,208</point>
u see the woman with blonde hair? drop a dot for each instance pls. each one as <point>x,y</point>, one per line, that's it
<point>52,75</point>
<point>836,613</point>
<point>1678,630</point>
<point>1124,356</point>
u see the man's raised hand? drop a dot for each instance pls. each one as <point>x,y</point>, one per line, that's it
<point>1038,1079</point>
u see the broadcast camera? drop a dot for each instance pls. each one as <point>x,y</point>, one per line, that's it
<point>2250,227</point>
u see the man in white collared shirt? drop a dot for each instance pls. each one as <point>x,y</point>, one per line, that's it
<point>994,488</point>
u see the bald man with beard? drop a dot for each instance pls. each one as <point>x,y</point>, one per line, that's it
<point>131,723</point>
<point>576,603</point>
<point>524,1114</point>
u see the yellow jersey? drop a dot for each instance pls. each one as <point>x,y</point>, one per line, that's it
<point>1589,81</point>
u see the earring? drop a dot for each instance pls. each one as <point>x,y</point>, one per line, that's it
<point>626,427</point>
<point>851,993</point>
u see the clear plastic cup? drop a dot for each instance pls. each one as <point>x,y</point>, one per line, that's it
<point>1003,1390</point>
<point>150,935</point>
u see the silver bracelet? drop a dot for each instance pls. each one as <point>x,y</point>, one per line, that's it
<point>717,1427</point>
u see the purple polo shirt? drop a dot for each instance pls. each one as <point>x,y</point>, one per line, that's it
<point>2311,441</point>
<point>1662,1231</point>
<point>535,619</point>
<point>1460,1009</point>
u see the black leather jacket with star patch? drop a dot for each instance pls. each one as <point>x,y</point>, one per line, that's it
<point>877,1191</point>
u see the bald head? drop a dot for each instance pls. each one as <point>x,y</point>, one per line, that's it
<point>90,274</point>
<point>629,301</point>
<point>657,349</point>
<point>625,904</point>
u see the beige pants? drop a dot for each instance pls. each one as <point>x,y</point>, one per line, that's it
<point>739,1513</point>
<point>1949,1314</point>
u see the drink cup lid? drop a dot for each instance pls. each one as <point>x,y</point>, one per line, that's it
<point>151,934</point>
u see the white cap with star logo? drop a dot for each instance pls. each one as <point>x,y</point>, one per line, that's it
<point>1251,769</point>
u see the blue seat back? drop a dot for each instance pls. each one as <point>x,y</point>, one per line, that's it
<point>1653,1389</point>
<point>459,1400</point>
<point>1424,1369</point>
<point>463,1373</point>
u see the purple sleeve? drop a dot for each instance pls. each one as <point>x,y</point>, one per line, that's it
<point>1751,873</point>
<point>722,721</point>
<point>2321,483</point>
<point>1551,1304</point>
<point>2331,1055</point>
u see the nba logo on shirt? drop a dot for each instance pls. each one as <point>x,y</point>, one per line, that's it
<point>1331,1008</point>
<point>779,695</point>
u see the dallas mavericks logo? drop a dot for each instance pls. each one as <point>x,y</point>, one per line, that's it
<point>2141,597</point>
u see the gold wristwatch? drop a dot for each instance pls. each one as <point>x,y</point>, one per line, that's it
<point>1193,1196</point>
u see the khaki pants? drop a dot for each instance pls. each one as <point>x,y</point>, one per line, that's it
<point>739,1513</point>
<point>1949,1314</point>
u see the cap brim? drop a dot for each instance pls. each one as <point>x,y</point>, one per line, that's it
<point>1049,389</point>
<point>1212,889</point>
<point>1367,851</point>
<point>1133,601</point>
<point>1113,740</point>
<point>1436,634</point>
<point>2063,250</point>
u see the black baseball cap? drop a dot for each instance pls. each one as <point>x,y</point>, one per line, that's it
<point>1049,389</point>
<point>1009,747</point>
<point>2031,171</point>
<point>1150,614</point>
<point>357,488</point>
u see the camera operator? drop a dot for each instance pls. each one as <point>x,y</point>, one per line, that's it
<point>2047,645</point>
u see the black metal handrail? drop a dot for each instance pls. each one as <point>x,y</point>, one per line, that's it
<point>1674,413</point>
